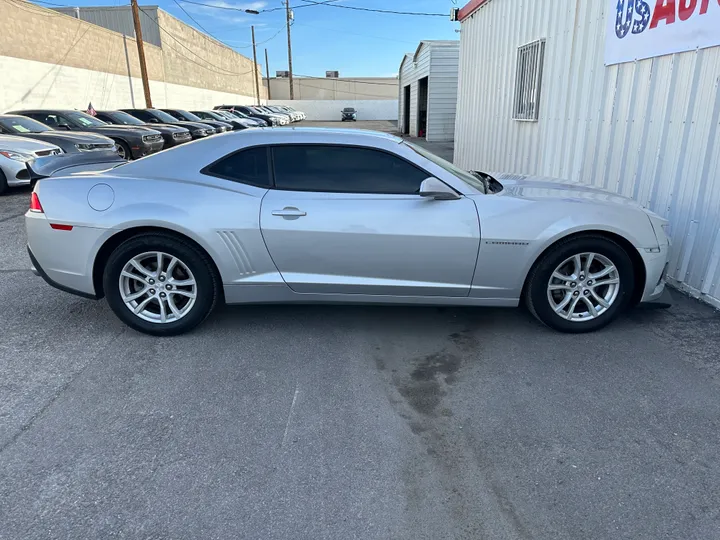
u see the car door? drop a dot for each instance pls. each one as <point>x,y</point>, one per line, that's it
<point>343,219</point>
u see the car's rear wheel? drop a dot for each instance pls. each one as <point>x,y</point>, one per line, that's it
<point>580,284</point>
<point>160,285</point>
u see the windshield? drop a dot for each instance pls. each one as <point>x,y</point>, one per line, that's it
<point>85,119</point>
<point>189,116</point>
<point>463,175</point>
<point>125,119</point>
<point>21,124</point>
<point>163,116</point>
<point>348,109</point>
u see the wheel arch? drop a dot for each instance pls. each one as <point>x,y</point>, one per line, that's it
<point>639,270</point>
<point>118,238</point>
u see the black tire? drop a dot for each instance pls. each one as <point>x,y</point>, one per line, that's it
<point>208,285</point>
<point>3,183</point>
<point>536,292</point>
<point>123,146</point>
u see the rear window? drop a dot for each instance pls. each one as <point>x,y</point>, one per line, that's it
<point>247,167</point>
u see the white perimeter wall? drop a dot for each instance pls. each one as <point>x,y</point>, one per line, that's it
<point>324,110</point>
<point>28,84</point>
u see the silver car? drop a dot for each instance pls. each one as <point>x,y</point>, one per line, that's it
<point>15,154</point>
<point>315,215</point>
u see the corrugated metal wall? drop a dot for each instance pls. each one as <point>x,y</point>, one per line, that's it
<point>438,61</point>
<point>119,19</point>
<point>442,102</point>
<point>649,129</point>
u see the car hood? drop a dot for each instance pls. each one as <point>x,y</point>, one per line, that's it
<point>116,129</point>
<point>24,144</point>
<point>545,188</point>
<point>166,128</point>
<point>194,125</point>
<point>76,137</point>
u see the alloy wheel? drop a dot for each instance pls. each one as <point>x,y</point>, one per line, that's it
<point>158,287</point>
<point>583,287</point>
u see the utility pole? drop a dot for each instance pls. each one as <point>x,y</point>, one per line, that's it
<point>141,52</point>
<point>257,84</point>
<point>267,71</point>
<point>288,18</point>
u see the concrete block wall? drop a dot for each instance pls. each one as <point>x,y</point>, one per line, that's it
<point>49,59</point>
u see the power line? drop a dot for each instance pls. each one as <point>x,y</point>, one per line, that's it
<point>313,3</point>
<point>326,28</point>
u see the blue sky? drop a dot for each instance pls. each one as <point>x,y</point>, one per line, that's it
<point>355,43</point>
<point>327,38</point>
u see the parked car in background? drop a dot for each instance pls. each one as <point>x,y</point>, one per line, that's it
<point>294,115</point>
<point>15,154</point>
<point>172,135</point>
<point>232,113</point>
<point>236,123</point>
<point>349,113</point>
<point>285,117</point>
<point>198,130</point>
<point>302,115</point>
<point>187,116</point>
<point>272,119</point>
<point>70,142</point>
<point>281,215</point>
<point>132,141</point>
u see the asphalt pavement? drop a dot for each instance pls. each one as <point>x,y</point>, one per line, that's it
<point>344,422</point>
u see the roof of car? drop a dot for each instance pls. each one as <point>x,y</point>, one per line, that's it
<point>345,133</point>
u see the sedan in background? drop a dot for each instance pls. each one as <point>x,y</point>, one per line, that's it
<point>316,215</point>
<point>294,117</point>
<point>284,117</point>
<point>271,119</point>
<point>132,141</point>
<point>231,114</point>
<point>198,130</point>
<point>187,116</point>
<point>172,135</point>
<point>15,154</point>
<point>301,114</point>
<point>236,123</point>
<point>70,142</point>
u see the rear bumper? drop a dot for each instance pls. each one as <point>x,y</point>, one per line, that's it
<point>38,271</point>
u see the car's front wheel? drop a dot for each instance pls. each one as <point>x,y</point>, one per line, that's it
<point>580,284</point>
<point>160,285</point>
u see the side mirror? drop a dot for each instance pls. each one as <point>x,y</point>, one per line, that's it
<point>438,190</point>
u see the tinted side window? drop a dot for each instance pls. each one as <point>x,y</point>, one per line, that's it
<point>344,169</point>
<point>247,167</point>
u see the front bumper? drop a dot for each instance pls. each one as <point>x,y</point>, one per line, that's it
<point>146,148</point>
<point>656,265</point>
<point>15,172</point>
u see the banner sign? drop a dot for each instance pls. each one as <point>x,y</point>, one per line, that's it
<point>638,29</point>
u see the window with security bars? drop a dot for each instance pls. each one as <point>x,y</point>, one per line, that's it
<point>528,81</point>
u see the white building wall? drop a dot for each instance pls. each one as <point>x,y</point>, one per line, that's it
<point>60,87</point>
<point>649,130</point>
<point>442,96</point>
<point>324,110</point>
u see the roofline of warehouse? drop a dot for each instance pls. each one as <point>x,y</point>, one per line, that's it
<point>471,7</point>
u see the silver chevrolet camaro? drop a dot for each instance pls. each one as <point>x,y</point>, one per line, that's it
<point>349,216</point>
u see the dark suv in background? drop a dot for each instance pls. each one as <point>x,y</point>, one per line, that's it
<point>173,135</point>
<point>132,141</point>
<point>198,130</point>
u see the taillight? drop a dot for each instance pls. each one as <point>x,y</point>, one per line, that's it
<point>35,205</point>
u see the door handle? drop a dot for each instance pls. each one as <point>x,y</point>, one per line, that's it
<point>289,212</point>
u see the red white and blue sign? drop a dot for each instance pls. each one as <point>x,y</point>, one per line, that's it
<point>639,29</point>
